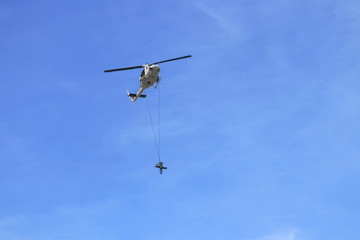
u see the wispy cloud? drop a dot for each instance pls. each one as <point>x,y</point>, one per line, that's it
<point>349,10</point>
<point>287,235</point>
<point>171,128</point>
<point>221,13</point>
<point>9,225</point>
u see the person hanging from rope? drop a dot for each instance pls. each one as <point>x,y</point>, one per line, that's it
<point>160,166</point>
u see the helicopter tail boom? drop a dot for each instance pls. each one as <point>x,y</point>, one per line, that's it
<point>134,96</point>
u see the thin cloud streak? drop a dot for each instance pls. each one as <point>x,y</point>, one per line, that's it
<point>220,14</point>
<point>289,235</point>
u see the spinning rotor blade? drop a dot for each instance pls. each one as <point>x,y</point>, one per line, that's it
<point>173,59</point>
<point>141,66</point>
<point>121,69</point>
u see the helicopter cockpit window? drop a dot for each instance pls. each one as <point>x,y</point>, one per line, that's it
<point>143,72</point>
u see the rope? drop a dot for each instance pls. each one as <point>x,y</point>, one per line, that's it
<point>157,145</point>
<point>159,119</point>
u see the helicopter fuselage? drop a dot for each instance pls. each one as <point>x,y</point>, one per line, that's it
<point>149,76</point>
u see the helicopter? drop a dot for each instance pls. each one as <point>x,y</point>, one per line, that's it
<point>149,76</point>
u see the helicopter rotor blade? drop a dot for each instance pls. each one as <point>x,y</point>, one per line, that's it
<point>122,69</point>
<point>141,66</point>
<point>173,59</point>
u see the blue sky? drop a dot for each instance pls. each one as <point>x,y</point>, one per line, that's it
<point>259,130</point>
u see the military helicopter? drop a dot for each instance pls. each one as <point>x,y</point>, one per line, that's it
<point>149,76</point>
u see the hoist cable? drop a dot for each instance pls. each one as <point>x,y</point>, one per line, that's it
<point>153,131</point>
<point>159,120</point>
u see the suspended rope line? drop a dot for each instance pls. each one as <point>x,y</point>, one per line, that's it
<point>157,145</point>
<point>159,119</point>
